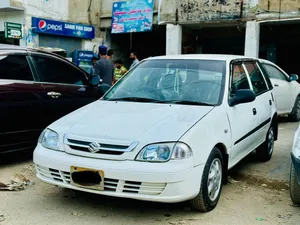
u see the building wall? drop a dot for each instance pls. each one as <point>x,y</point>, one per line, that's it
<point>75,11</point>
<point>274,9</point>
<point>87,12</point>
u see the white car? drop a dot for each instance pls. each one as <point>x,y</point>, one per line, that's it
<point>168,131</point>
<point>286,90</point>
<point>295,169</point>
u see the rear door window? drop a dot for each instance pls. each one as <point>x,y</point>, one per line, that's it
<point>258,82</point>
<point>15,67</point>
<point>56,71</point>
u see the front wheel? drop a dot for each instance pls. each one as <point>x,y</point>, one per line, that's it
<point>295,115</point>
<point>265,151</point>
<point>211,183</point>
<point>294,186</point>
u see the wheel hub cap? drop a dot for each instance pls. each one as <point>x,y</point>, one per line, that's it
<point>214,181</point>
<point>271,141</point>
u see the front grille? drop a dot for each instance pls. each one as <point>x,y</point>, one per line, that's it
<point>85,149</point>
<point>82,146</point>
<point>110,184</point>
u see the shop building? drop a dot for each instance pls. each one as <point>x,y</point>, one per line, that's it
<point>258,28</point>
<point>68,24</point>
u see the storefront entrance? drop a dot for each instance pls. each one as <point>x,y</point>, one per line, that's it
<point>229,39</point>
<point>280,43</point>
<point>146,44</point>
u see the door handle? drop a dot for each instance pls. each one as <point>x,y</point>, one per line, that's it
<point>276,85</point>
<point>270,101</point>
<point>254,111</point>
<point>54,94</point>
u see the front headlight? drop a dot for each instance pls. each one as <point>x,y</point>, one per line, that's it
<point>164,152</point>
<point>49,139</point>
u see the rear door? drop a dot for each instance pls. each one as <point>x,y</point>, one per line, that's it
<point>66,87</point>
<point>20,103</point>
<point>264,99</point>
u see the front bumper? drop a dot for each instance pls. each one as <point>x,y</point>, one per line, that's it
<point>296,163</point>
<point>159,182</point>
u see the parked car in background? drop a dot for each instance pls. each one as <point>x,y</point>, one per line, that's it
<point>295,169</point>
<point>168,131</point>
<point>286,90</point>
<point>37,88</point>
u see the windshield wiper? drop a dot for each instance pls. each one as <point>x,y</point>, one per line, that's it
<point>190,103</point>
<point>134,99</point>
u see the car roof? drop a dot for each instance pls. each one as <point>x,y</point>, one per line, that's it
<point>204,57</point>
<point>28,49</point>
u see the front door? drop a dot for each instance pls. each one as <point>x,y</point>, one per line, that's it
<point>244,118</point>
<point>66,87</point>
<point>20,103</point>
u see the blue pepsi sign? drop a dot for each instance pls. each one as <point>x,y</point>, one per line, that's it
<point>53,27</point>
<point>85,56</point>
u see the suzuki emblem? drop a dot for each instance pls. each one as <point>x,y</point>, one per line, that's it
<point>94,147</point>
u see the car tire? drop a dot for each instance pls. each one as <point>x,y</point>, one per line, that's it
<point>295,115</point>
<point>211,187</point>
<point>265,151</point>
<point>294,186</point>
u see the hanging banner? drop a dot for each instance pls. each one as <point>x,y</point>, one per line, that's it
<point>132,16</point>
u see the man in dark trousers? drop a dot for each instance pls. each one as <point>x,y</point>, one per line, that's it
<point>104,68</point>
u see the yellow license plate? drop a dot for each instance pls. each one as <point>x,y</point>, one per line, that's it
<point>87,178</point>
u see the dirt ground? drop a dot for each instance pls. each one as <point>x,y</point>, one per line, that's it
<point>247,201</point>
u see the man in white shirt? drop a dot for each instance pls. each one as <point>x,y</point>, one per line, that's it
<point>135,59</point>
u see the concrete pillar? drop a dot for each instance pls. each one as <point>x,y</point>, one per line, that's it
<point>174,39</point>
<point>252,39</point>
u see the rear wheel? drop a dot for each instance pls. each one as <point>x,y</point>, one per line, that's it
<point>211,183</point>
<point>295,115</point>
<point>265,151</point>
<point>294,186</point>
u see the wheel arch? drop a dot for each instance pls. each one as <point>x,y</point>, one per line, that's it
<point>225,156</point>
<point>274,123</point>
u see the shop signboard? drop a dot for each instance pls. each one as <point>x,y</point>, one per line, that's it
<point>40,25</point>
<point>132,16</point>
<point>13,30</point>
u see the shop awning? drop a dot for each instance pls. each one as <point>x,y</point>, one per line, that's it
<point>7,6</point>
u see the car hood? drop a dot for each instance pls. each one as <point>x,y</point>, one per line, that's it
<point>130,121</point>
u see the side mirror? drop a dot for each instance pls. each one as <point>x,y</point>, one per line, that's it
<point>242,96</point>
<point>294,77</point>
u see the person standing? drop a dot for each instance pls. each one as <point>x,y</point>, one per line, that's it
<point>120,70</point>
<point>110,54</point>
<point>92,68</point>
<point>104,67</point>
<point>135,59</point>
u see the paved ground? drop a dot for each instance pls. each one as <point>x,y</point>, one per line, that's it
<point>260,196</point>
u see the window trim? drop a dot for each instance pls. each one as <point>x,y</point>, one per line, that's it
<point>242,62</point>
<point>62,61</point>
<point>26,55</point>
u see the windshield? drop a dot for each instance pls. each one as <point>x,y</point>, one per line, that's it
<point>172,81</point>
